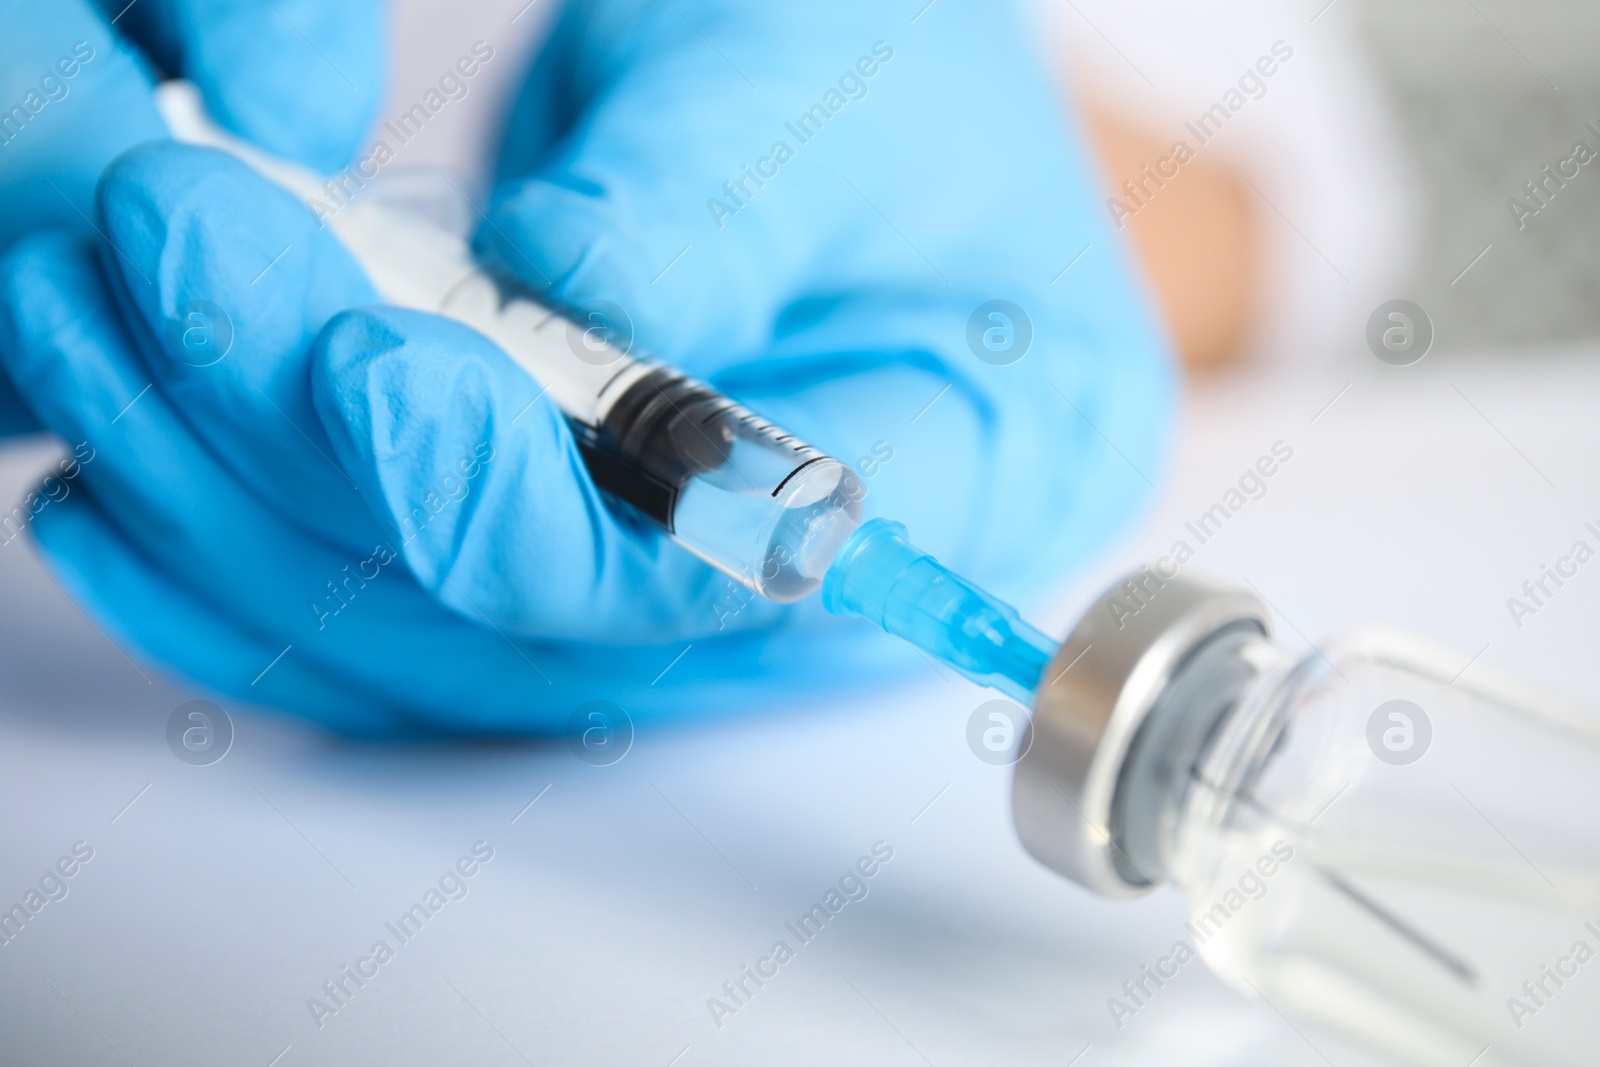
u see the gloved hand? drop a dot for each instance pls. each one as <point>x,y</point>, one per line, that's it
<point>215,525</point>
<point>811,205</point>
<point>298,77</point>
<point>395,462</point>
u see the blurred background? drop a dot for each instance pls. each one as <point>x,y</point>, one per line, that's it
<point>1375,163</point>
<point>1486,94</point>
<point>1380,160</point>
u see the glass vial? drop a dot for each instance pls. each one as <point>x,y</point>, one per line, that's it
<point>1369,836</point>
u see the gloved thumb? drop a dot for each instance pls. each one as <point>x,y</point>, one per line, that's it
<point>614,215</point>
<point>301,78</point>
<point>579,251</point>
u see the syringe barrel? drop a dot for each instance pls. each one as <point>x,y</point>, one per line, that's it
<point>736,490</point>
<point>741,493</point>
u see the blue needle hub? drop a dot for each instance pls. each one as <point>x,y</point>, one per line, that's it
<point>881,576</point>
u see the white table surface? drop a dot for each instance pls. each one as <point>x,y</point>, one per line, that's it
<point>223,897</point>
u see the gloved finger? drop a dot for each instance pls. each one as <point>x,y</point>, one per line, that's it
<point>598,203</point>
<point>708,194</point>
<point>353,617</point>
<point>64,343</point>
<point>301,78</point>
<point>233,278</point>
<point>16,418</point>
<point>390,663</point>
<point>72,96</point>
<point>495,514</point>
<point>157,616</point>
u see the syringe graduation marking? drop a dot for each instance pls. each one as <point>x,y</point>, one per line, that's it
<point>450,294</point>
<point>797,470</point>
<point>612,380</point>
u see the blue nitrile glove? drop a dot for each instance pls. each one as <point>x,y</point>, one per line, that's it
<point>515,595</point>
<point>807,204</point>
<point>211,523</point>
<point>298,77</point>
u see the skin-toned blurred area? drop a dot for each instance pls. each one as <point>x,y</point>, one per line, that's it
<point>1197,241</point>
<point>1253,164</point>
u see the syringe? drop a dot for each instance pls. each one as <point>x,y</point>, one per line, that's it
<point>744,495</point>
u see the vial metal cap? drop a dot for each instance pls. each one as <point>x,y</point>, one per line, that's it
<point>1091,702</point>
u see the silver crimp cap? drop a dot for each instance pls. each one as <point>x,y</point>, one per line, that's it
<point>1091,701</point>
